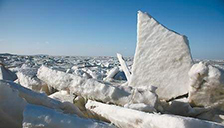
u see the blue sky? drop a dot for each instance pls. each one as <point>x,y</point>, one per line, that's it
<point>105,27</point>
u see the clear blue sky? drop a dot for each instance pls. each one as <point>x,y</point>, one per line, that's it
<point>105,27</point>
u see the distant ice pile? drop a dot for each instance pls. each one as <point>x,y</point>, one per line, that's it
<point>160,88</point>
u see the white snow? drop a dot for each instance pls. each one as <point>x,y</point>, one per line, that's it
<point>162,59</point>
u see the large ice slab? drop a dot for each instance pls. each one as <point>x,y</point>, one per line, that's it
<point>127,118</point>
<point>11,107</point>
<point>96,90</point>
<point>38,116</point>
<point>162,58</point>
<point>39,98</point>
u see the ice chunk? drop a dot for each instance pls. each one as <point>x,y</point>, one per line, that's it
<point>206,85</point>
<point>11,107</point>
<point>67,100</point>
<point>39,98</point>
<point>124,66</point>
<point>141,107</point>
<point>145,95</point>
<point>128,118</point>
<point>38,116</point>
<point>62,96</point>
<point>182,107</point>
<point>96,90</point>
<point>215,115</point>
<point>31,82</point>
<point>6,74</point>
<point>162,59</point>
<point>207,91</point>
<point>88,88</point>
<point>80,103</point>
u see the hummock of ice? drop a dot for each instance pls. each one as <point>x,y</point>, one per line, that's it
<point>162,59</point>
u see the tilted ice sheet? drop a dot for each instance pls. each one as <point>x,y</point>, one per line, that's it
<point>162,59</point>
<point>124,66</point>
<point>11,107</point>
